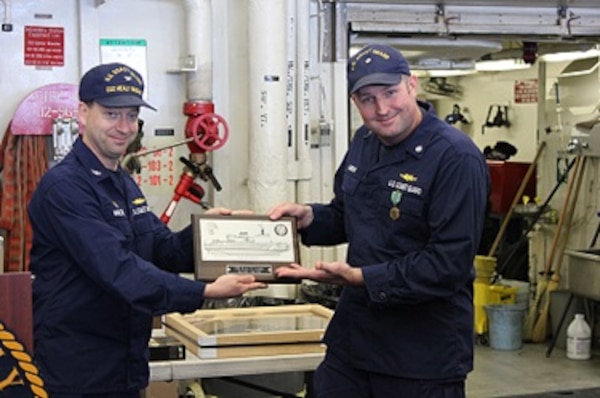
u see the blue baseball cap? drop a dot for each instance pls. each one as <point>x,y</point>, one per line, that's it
<point>113,85</point>
<point>376,64</point>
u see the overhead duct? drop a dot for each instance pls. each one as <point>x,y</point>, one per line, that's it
<point>543,48</point>
<point>431,52</point>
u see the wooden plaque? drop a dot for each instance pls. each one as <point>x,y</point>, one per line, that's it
<point>250,244</point>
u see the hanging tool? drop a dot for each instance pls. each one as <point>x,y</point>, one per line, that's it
<point>497,119</point>
<point>440,86</point>
<point>456,116</point>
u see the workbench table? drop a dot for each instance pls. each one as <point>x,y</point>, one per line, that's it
<point>194,368</point>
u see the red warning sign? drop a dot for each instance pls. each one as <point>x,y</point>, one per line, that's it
<point>526,91</point>
<point>44,46</point>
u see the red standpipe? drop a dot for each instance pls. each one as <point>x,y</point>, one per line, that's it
<point>209,132</point>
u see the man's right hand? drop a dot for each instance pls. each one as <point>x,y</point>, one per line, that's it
<point>303,213</point>
<point>232,285</point>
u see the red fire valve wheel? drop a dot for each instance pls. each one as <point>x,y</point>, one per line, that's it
<point>210,131</point>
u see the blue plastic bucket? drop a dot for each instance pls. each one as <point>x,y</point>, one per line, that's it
<point>505,326</point>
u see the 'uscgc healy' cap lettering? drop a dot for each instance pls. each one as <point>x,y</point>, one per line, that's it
<point>113,85</point>
<point>376,64</point>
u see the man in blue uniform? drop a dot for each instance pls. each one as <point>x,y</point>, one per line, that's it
<point>409,199</point>
<point>104,264</point>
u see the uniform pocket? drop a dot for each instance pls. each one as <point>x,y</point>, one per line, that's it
<point>350,183</point>
<point>142,224</point>
<point>409,224</point>
<point>117,218</point>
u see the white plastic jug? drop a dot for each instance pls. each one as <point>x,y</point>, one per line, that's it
<point>579,339</point>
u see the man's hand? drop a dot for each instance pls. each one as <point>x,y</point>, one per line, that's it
<point>231,285</point>
<point>303,213</point>
<point>336,272</point>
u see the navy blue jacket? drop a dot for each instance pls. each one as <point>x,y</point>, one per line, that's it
<point>100,259</point>
<point>414,316</point>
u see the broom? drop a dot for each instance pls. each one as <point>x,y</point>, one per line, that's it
<point>542,284</point>
<point>540,329</point>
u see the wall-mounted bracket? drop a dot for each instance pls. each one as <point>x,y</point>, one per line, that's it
<point>186,64</point>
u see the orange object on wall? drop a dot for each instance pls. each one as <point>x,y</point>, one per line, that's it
<point>506,177</point>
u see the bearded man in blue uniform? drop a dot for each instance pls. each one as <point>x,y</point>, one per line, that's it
<point>409,199</point>
<point>104,264</point>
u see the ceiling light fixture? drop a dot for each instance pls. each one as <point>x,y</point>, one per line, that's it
<point>570,55</point>
<point>501,65</point>
<point>442,72</point>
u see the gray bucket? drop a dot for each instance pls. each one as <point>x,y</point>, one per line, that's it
<point>505,326</point>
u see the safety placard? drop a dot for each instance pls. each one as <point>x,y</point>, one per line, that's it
<point>526,91</point>
<point>131,52</point>
<point>44,46</point>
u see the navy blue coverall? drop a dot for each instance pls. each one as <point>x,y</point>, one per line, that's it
<point>413,318</point>
<point>100,258</point>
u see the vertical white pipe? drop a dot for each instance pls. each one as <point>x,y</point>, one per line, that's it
<point>341,127</point>
<point>303,98</point>
<point>303,155</point>
<point>291,105</point>
<point>7,11</point>
<point>267,169</point>
<point>198,25</point>
<point>267,98</point>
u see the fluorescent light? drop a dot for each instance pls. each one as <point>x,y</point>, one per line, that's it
<point>442,72</point>
<point>451,72</point>
<point>501,65</point>
<point>570,55</point>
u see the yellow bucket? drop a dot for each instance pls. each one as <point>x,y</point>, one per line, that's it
<point>484,268</point>
<point>502,294</point>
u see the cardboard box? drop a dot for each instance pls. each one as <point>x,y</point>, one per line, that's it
<point>161,389</point>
